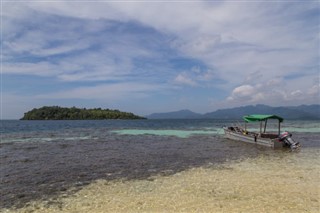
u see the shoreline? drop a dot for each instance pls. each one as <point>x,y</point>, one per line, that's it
<point>250,185</point>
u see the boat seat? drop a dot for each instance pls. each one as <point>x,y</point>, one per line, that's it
<point>252,134</point>
<point>269,135</point>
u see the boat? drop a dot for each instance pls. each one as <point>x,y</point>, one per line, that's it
<point>264,138</point>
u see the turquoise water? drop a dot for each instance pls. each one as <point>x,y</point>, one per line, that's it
<point>168,132</point>
<point>50,131</point>
<point>291,126</point>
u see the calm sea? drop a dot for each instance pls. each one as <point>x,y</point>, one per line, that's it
<point>43,159</point>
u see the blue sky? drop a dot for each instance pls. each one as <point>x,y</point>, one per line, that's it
<point>158,56</point>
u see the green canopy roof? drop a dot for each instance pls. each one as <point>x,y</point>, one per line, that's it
<point>253,118</point>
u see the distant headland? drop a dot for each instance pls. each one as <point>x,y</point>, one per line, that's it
<point>73,113</point>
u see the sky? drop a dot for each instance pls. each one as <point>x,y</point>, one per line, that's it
<point>158,56</point>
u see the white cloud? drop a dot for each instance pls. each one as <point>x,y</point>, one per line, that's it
<point>195,77</point>
<point>206,75</point>
<point>183,79</point>
<point>243,91</point>
<point>88,67</point>
<point>275,92</point>
<point>95,67</point>
<point>37,68</point>
<point>254,47</point>
<point>109,95</point>
<point>77,51</point>
<point>314,91</point>
<point>232,37</point>
<point>296,93</point>
<point>110,92</point>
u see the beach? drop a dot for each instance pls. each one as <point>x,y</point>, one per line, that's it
<point>247,186</point>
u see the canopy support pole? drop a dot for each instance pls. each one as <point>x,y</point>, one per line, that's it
<point>279,128</point>
<point>265,126</point>
<point>260,127</point>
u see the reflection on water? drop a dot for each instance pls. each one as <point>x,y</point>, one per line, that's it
<point>152,166</point>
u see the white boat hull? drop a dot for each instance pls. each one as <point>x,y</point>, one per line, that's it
<point>254,139</point>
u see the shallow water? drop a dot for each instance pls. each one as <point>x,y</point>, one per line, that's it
<point>168,132</point>
<point>268,183</point>
<point>152,165</point>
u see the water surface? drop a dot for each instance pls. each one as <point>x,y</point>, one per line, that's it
<point>44,160</point>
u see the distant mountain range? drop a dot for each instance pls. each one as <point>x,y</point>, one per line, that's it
<point>288,112</point>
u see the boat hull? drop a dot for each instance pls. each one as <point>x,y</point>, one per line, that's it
<point>254,139</point>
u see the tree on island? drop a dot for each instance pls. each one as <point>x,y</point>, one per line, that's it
<point>73,113</point>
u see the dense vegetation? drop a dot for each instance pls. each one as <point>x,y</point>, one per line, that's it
<point>73,113</point>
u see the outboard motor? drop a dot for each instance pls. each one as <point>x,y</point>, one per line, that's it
<point>288,141</point>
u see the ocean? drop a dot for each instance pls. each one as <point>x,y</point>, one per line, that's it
<point>153,166</point>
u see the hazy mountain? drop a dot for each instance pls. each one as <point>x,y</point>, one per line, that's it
<point>181,114</point>
<point>288,112</point>
<point>313,109</point>
<point>297,112</point>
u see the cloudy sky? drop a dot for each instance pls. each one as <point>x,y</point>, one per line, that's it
<point>159,56</point>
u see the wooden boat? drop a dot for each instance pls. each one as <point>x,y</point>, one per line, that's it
<point>273,140</point>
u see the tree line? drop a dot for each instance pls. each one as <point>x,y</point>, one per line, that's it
<point>73,113</point>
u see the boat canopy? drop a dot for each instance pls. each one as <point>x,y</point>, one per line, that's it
<point>253,118</point>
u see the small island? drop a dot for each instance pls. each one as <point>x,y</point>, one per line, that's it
<point>73,113</point>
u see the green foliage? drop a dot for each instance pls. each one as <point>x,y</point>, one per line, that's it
<point>73,113</point>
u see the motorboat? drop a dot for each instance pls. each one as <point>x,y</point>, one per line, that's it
<point>262,137</point>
